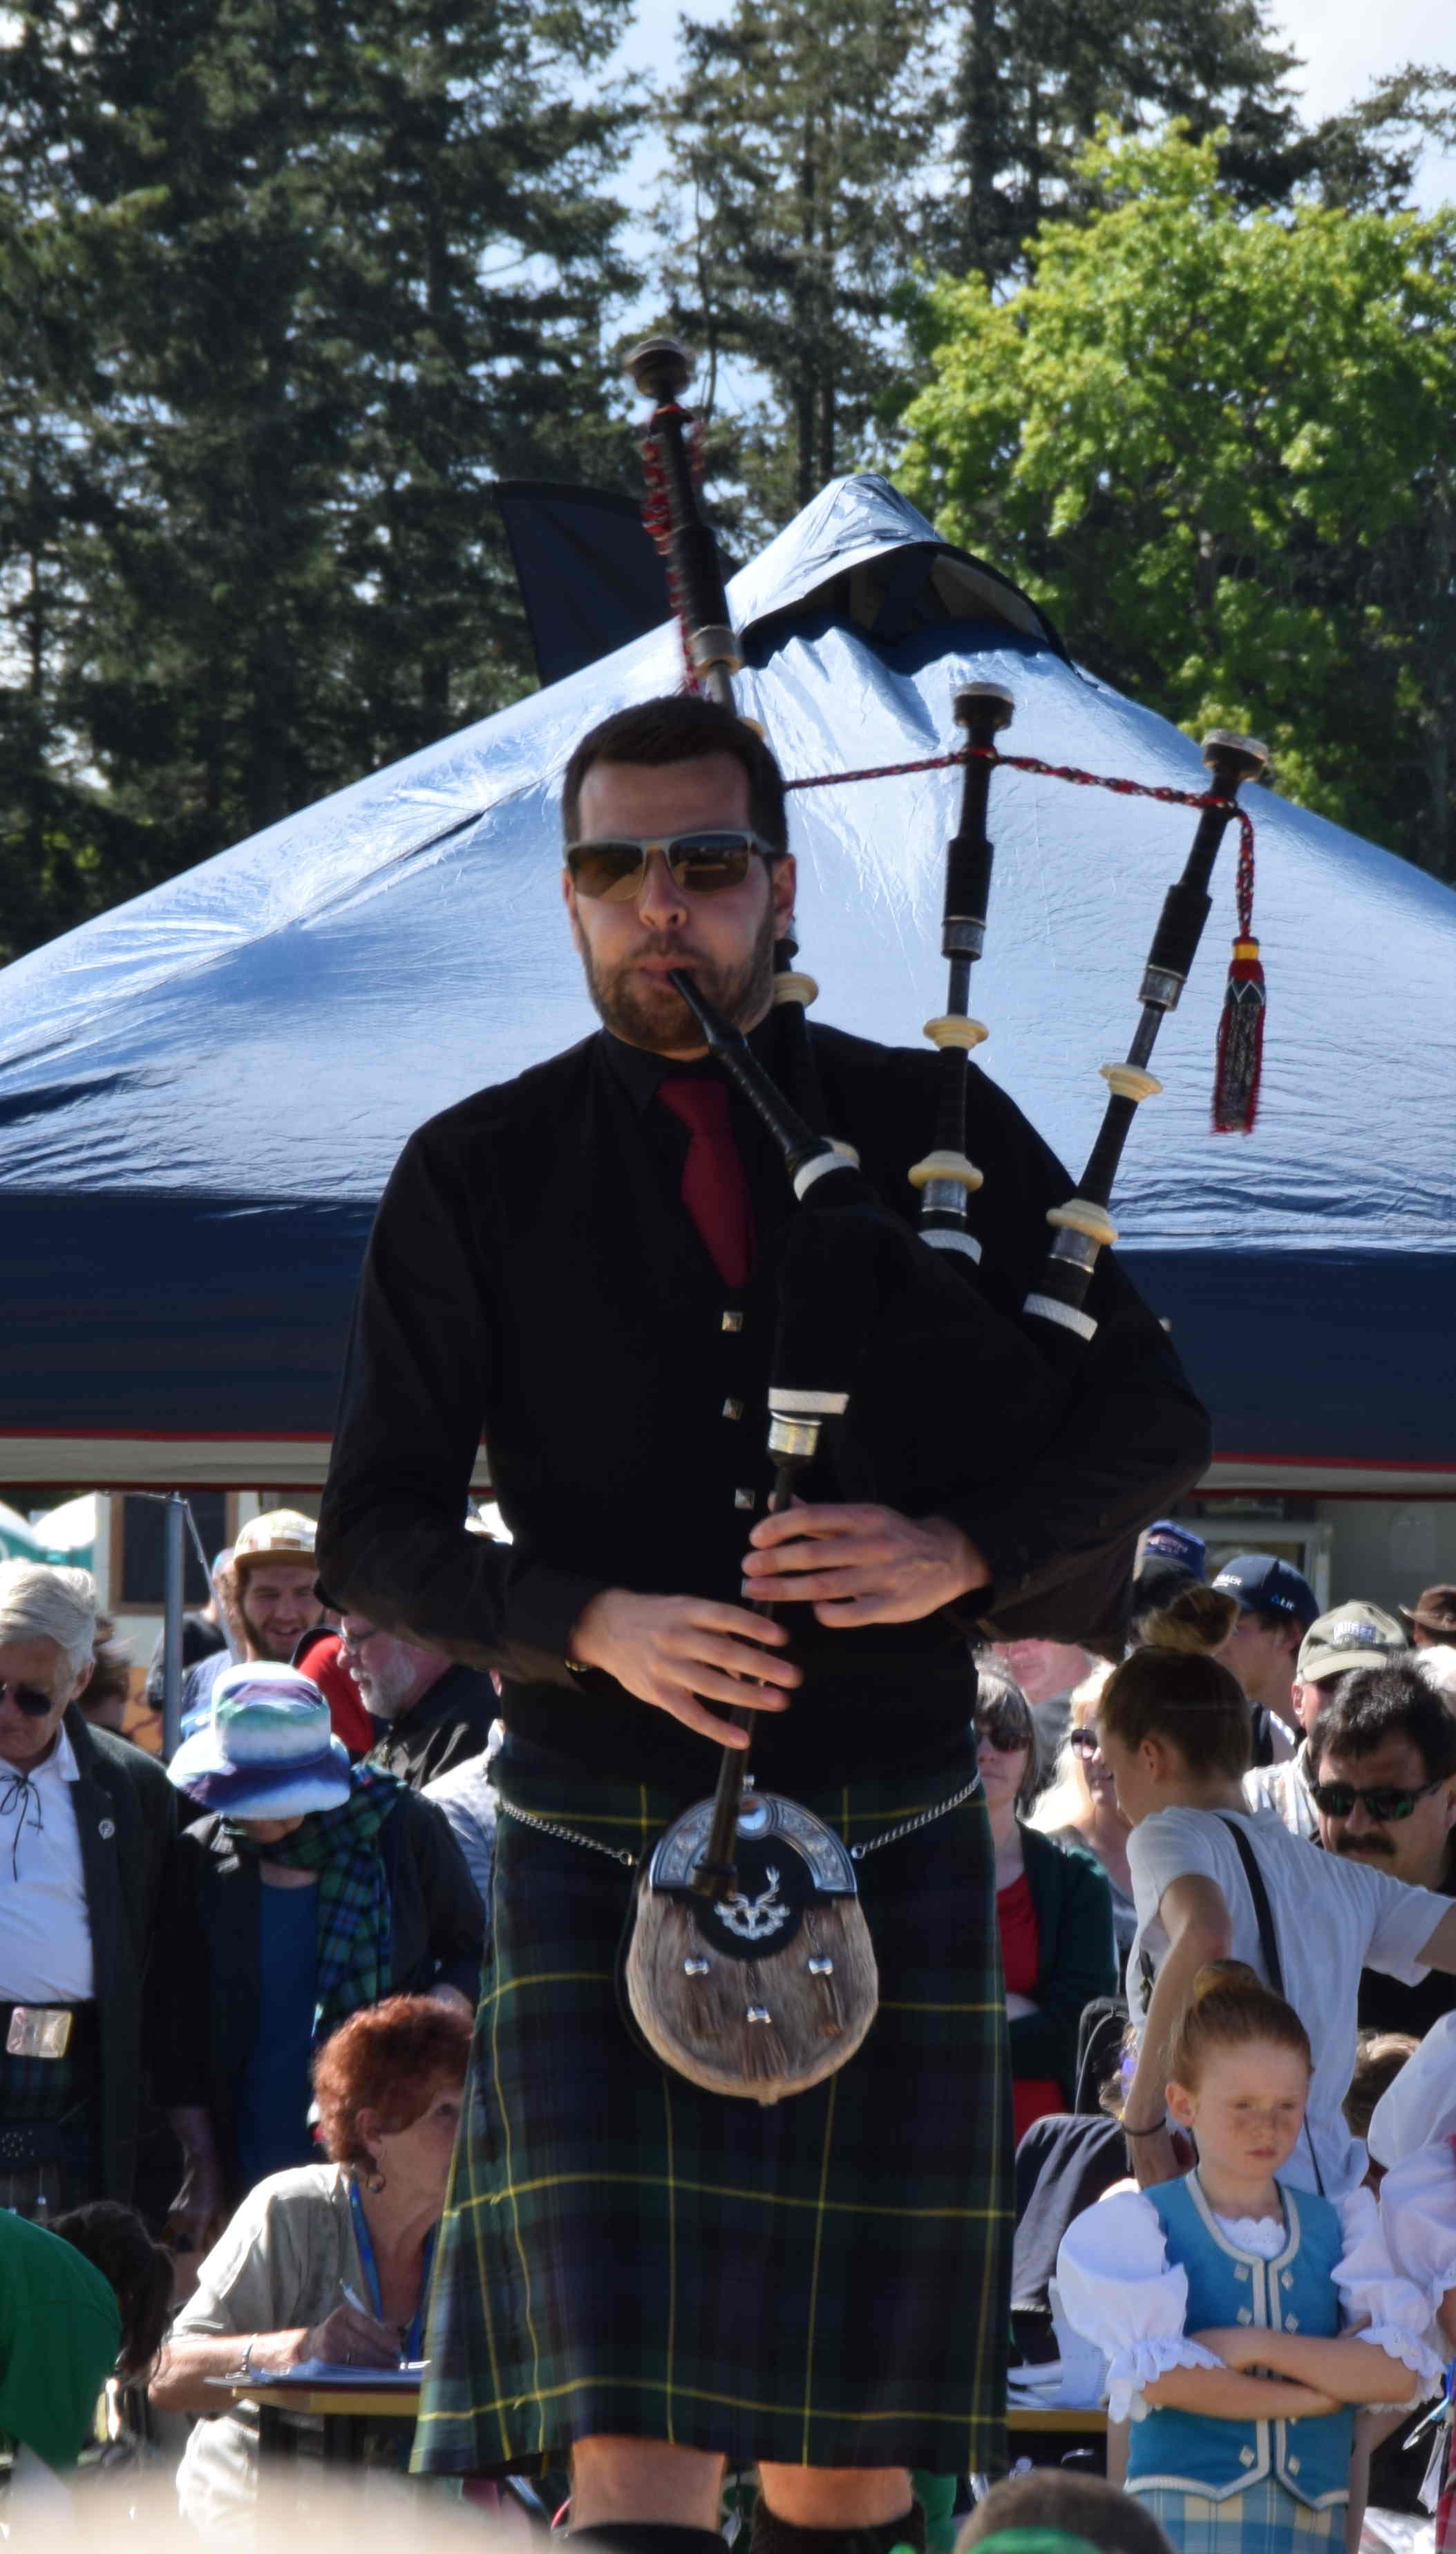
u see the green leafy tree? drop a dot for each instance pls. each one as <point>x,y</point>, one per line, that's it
<point>1218,448</point>
<point>794,139</point>
<point>328,270</point>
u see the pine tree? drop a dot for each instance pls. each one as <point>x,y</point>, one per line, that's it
<point>794,139</point>
<point>336,268</point>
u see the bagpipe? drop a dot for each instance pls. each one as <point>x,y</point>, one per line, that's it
<point>749,1967</point>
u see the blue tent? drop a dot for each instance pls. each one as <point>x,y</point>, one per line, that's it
<point>201,1093</point>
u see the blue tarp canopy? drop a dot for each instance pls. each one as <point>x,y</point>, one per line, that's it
<point>201,1094</point>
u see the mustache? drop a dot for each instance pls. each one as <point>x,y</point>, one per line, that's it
<point>1364,1844</point>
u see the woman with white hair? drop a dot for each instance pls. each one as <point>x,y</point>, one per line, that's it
<point>88,1830</point>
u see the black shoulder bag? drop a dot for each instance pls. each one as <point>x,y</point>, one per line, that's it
<point>1268,1944</point>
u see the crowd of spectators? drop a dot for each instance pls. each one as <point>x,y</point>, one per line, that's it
<point>1225,1861</point>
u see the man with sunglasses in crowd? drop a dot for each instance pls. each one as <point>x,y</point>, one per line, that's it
<point>1351,1636</point>
<point>1383,1764</point>
<point>580,1265</point>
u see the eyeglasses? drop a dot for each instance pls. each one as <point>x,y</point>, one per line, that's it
<point>357,1641</point>
<point>700,864</point>
<point>1084,1742</point>
<point>1387,1803</point>
<point>29,1699</point>
<point>1004,1741</point>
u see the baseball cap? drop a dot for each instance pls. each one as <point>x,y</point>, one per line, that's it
<point>279,1535</point>
<point>1434,1611</point>
<point>1264,1584</point>
<point>1353,1635</point>
<point>1174,1542</point>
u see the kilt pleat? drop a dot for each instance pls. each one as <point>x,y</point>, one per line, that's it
<point>821,2281</point>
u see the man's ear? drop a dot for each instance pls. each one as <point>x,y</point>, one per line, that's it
<point>785,890</point>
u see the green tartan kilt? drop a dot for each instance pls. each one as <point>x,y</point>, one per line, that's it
<point>821,2281</point>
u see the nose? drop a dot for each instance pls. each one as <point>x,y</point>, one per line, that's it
<point>661,902</point>
<point>1360,1821</point>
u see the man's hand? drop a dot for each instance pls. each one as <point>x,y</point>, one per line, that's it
<point>348,2339</point>
<point>674,1652</point>
<point>861,1564</point>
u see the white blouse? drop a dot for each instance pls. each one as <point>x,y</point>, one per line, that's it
<point>1417,2211</point>
<point>1117,2287</point>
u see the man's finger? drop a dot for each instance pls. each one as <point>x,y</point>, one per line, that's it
<point>735,1658</point>
<point>874,1606</point>
<point>695,1715</point>
<point>738,1624</point>
<point>823,1586</point>
<point>855,1552</point>
<point>729,1685</point>
<point>821,1519</point>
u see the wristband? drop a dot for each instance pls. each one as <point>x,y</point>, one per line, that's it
<point>1158,2129</point>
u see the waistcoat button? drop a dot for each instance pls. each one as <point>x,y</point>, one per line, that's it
<point>106,1829</point>
<point>1246,2456</point>
<point>744,1498</point>
<point>733,1408</point>
<point>1292,2323</point>
<point>1245,2316</point>
<point>1293,2465</point>
<point>732,1320</point>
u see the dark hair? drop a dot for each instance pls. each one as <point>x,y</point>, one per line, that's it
<point>1080,2506</point>
<point>1231,2008</point>
<point>388,2060</point>
<point>110,1680</point>
<point>1273,1618</point>
<point>138,2272</point>
<point>680,728</point>
<point>1184,1697</point>
<point>1368,1705</point>
<point>1003,1712</point>
<point>1378,2058</point>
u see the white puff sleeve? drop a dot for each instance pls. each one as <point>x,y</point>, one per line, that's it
<point>1390,2309</point>
<point>1418,2213</point>
<point>1119,2290</point>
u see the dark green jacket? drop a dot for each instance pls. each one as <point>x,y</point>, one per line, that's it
<point>126,1815</point>
<point>1076,1958</point>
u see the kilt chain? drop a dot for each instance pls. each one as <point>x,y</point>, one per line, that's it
<point>858,1852</point>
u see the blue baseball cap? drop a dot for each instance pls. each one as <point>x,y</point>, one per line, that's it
<point>1178,1542</point>
<point>1264,1584</point>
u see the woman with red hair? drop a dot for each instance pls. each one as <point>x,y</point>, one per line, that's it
<point>330,2261</point>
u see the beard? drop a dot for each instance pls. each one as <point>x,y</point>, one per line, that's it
<point>644,1010</point>
<point>262,1646</point>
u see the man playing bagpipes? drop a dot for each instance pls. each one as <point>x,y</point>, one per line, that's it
<point>586,1267</point>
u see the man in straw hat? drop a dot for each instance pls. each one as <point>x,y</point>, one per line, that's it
<point>582,1264</point>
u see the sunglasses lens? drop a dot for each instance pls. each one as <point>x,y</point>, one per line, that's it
<point>1384,1803</point>
<point>1390,1806</point>
<point>613,871</point>
<point>1084,1742</point>
<point>706,863</point>
<point>29,1699</point>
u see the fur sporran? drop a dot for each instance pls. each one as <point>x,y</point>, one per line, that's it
<point>769,1987</point>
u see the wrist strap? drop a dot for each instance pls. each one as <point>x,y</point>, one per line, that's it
<point>1156,2130</point>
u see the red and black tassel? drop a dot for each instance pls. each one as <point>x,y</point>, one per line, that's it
<point>1240,1026</point>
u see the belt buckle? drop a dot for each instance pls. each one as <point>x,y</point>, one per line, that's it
<point>39,2031</point>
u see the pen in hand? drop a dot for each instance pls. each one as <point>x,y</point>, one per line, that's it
<point>351,2298</point>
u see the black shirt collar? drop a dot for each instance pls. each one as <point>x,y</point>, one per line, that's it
<point>641,1074</point>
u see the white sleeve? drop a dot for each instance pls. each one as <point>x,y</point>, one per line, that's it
<point>1402,1922</point>
<point>1391,2310</point>
<point>1417,2210</point>
<point>1165,1848</point>
<point>1420,2104</point>
<point>1120,2292</point>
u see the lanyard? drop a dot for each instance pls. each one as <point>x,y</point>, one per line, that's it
<point>412,2336</point>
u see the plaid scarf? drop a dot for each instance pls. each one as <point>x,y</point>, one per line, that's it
<point>355,1915</point>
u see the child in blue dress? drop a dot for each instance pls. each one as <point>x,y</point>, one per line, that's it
<point>1242,2319</point>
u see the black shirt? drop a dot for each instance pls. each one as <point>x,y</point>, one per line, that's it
<point>533,1276</point>
<point>451,1721</point>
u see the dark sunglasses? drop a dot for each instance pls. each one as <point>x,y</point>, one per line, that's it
<point>1387,1803</point>
<point>29,1699</point>
<point>1005,1741</point>
<point>1084,1742</point>
<point>700,863</point>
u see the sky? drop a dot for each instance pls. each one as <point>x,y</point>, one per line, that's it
<point>1344,44</point>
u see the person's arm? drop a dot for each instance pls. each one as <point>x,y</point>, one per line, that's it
<point>391,1541</point>
<point>1195,1914</point>
<point>196,2216</point>
<point>1226,2394</point>
<point>1441,1949</point>
<point>454,1918</point>
<point>192,2360</point>
<point>1340,2365</point>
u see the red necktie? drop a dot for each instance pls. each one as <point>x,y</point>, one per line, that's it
<point>714,1190</point>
